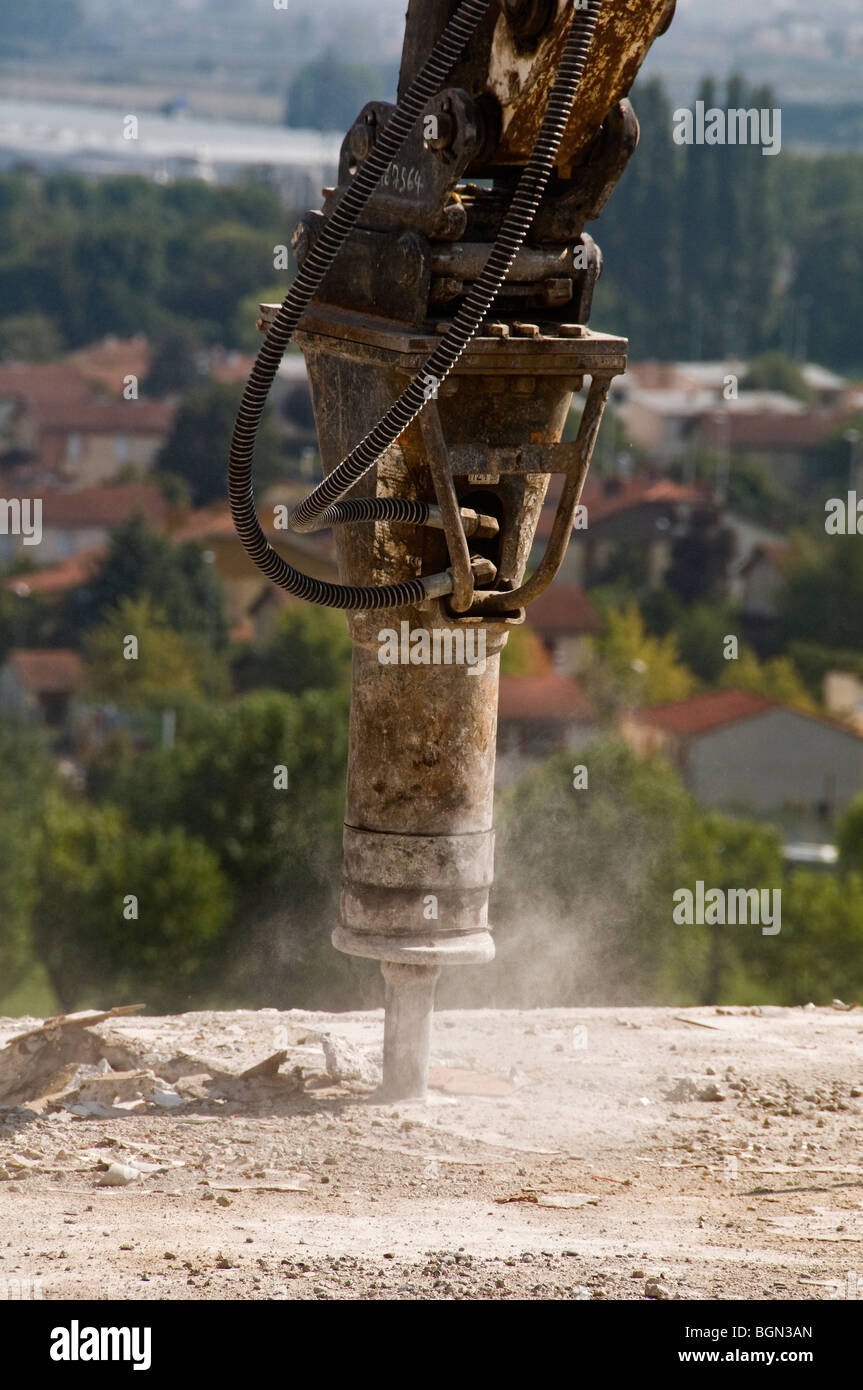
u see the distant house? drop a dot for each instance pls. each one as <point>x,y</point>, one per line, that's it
<point>743,752</point>
<point>74,522</point>
<point>108,364</point>
<point>27,390</point>
<point>673,410</point>
<point>69,421</point>
<point>843,697</point>
<point>264,612</point>
<point>565,619</point>
<point>787,443</point>
<point>38,685</point>
<point>760,582</point>
<point>539,716</point>
<point>94,443</point>
<point>56,580</point>
<point>642,515</point>
<point>213,528</point>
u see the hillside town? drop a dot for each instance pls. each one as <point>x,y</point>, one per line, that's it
<point>687,457</point>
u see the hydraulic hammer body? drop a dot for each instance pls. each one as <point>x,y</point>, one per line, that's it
<point>474,459</point>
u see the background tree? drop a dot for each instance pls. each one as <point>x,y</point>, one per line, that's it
<point>169,668</point>
<point>175,579</point>
<point>260,781</point>
<point>175,365</point>
<point>627,667</point>
<point>823,595</point>
<point>777,679</point>
<point>309,650</point>
<point>774,371</point>
<point>197,448</point>
<point>98,947</point>
<point>29,338</point>
<point>27,777</point>
<point>329,93</point>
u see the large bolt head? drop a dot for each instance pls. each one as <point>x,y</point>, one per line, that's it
<point>529,18</point>
<point>360,140</point>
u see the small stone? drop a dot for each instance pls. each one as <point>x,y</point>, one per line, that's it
<point>120,1175</point>
<point>653,1289</point>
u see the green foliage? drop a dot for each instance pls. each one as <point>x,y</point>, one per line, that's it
<point>627,667</point>
<point>813,662</point>
<point>675,280</point>
<point>174,366</point>
<point>524,654</point>
<point>197,448</point>
<point>26,778</point>
<point>309,650</point>
<point>583,903</point>
<point>774,371</point>
<point>163,669</point>
<point>278,846</point>
<point>822,941</point>
<point>777,679</point>
<point>700,632</point>
<point>329,93</point>
<point>29,338</point>
<point>824,594</point>
<point>96,950</point>
<point>699,559</point>
<point>124,255</point>
<point>849,837</point>
<point>176,579</point>
<point>754,493</point>
<point>722,962</point>
<point>26,620</point>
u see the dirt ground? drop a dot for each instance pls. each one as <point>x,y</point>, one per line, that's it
<point>563,1154</point>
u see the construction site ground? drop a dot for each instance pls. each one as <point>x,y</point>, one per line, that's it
<point>562,1154</point>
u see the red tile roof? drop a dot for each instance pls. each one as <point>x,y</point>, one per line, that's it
<point>717,708</point>
<point>550,698</point>
<point>107,363</point>
<point>604,500</point>
<point>46,672</point>
<point>215,522</point>
<point>564,608</point>
<point>770,430</point>
<point>701,713</point>
<point>103,506</point>
<point>57,579</point>
<point>108,417</point>
<point>43,383</point>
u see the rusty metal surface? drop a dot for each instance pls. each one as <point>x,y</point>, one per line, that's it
<point>521,81</point>
<point>518,74</point>
<point>422,737</point>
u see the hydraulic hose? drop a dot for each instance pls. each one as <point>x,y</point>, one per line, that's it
<point>321,508</point>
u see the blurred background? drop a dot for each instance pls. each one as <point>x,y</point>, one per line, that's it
<point>170,828</point>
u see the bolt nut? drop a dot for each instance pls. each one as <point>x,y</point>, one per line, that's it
<point>361,140</point>
<point>446,131</point>
<point>529,18</point>
<point>526,330</point>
